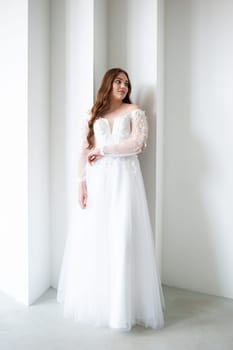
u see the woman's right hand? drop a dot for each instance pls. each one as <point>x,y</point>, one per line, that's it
<point>83,194</point>
<point>94,155</point>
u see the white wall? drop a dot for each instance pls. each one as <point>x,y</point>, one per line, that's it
<point>100,41</point>
<point>198,170</point>
<point>13,149</point>
<point>38,147</point>
<point>58,182</point>
<point>72,64</point>
<point>159,131</point>
<point>24,145</point>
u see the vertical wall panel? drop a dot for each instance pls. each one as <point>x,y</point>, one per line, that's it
<point>38,146</point>
<point>100,41</point>
<point>14,149</point>
<point>72,81</point>
<point>198,185</point>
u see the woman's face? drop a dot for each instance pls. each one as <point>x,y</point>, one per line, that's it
<point>120,87</point>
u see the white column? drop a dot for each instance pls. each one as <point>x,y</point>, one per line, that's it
<point>38,148</point>
<point>24,241</point>
<point>72,81</point>
<point>100,40</point>
<point>14,149</point>
<point>159,132</point>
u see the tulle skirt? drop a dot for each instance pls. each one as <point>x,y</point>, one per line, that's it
<point>109,275</point>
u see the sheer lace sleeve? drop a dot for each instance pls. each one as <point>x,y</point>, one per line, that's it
<point>136,143</point>
<point>83,151</point>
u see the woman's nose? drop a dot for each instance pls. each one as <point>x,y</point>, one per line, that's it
<point>123,85</point>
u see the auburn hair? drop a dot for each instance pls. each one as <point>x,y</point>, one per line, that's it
<point>102,102</point>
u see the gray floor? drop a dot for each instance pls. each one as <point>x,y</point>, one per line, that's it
<point>193,321</point>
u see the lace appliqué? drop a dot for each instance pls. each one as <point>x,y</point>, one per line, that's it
<point>141,133</point>
<point>134,166</point>
<point>136,140</point>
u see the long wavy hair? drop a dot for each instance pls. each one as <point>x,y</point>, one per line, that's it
<point>103,99</point>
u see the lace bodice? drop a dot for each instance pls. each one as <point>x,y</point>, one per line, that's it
<point>125,136</point>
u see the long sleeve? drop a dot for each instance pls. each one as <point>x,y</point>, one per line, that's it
<point>83,151</point>
<point>136,143</point>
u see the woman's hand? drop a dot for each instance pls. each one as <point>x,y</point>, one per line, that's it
<point>94,155</point>
<point>83,194</point>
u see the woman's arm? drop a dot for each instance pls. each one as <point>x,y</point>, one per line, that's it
<point>82,160</point>
<point>82,193</point>
<point>83,151</point>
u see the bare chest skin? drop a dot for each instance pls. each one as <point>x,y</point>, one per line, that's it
<point>118,113</point>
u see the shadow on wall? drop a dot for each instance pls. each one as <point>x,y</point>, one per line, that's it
<point>118,33</point>
<point>146,100</point>
<point>58,202</point>
<point>189,252</point>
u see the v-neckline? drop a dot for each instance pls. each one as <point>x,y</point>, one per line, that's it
<point>111,127</point>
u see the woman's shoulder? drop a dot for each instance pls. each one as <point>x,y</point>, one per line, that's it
<point>131,108</point>
<point>136,110</point>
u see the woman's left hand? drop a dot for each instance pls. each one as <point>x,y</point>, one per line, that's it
<point>94,155</point>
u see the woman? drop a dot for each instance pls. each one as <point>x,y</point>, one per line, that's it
<point>109,275</point>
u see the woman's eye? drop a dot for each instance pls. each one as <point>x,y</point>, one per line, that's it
<point>118,82</point>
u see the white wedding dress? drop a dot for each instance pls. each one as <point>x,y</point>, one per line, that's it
<point>109,276</point>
